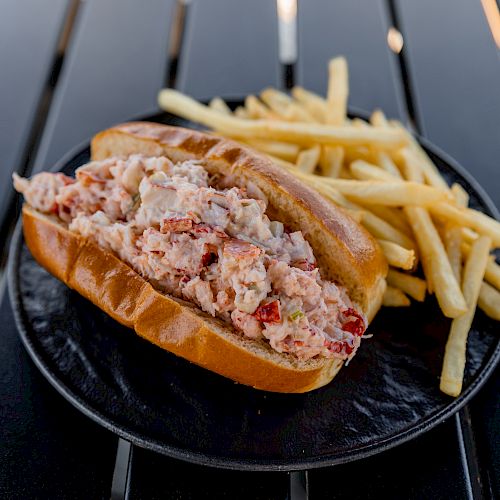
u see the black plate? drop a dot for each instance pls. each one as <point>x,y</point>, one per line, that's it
<point>388,394</point>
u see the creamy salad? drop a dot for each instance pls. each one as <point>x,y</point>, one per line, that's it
<point>208,244</point>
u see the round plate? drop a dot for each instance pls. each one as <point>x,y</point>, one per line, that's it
<point>388,394</point>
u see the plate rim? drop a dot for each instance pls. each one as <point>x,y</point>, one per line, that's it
<point>219,461</point>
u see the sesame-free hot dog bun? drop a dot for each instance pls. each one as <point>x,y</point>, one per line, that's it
<point>345,253</point>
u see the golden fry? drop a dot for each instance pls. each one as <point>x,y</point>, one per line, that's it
<point>492,274</point>
<point>256,109</point>
<point>285,150</point>
<point>302,133</point>
<point>378,119</point>
<point>393,297</point>
<point>460,194</point>
<point>284,107</point>
<point>394,216</point>
<point>395,193</point>
<point>411,166</point>
<point>338,91</point>
<point>308,159</point>
<point>330,160</point>
<point>436,264</point>
<point>489,301</point>
<point>365,171</point>
<point>385,161</point>
<point>453,244</point>
<point>385,231</point>
<point>468,217</point>
<point>411,285</point>
<point>241,112</point>
<point>315,104</point>
<point>396,255</point>
<point>430,171</point>
<point>219,105</point>
<point>454,356</point>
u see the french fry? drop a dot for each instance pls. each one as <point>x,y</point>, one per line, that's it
<point>345,173</point>
<point>468,217</point>
<point>365,171</point>
<point>241,112</point>
<point>308,159</point>
<point>430,171</point>
<point>385,161</point>
<point>358,153</point>
<point>256,109</point>
<point>317,183</point>
<point>492,273</point>
<point>454,356</point>
<point>393,193</point>
<point>335,113</point>
<point>489,301</point>
<point>329,193</point>
<point>302,133</point>
<point>338,91</point>
<point>359,123</point>
<point>284,107</point>
<point>219,105</point>
<point>411,166</point>
<point>375,225</point>
<point>453,244</point>
<point>410,285</point>
<point>460,194</point>
<point>285,150</point>
<point>330,160</point>
<point>396,255</point>
<point>393,216</point>
<point>315,104</point>
<point>468,235</point>
<point>282,163</point>
<point>393,297</point>
<point>378,119</point>
<point>275,98</point>
<point>436,264</point>
<point>383,230</point>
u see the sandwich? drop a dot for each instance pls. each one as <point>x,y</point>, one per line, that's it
<point>209,251</point>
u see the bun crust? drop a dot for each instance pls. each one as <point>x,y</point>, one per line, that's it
<point>345,252</point>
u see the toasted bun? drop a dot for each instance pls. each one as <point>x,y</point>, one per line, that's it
<point>346,253</point>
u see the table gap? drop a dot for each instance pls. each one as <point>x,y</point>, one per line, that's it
<point>176,42</point>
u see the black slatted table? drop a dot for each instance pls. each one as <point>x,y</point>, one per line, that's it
<point>80,66</point>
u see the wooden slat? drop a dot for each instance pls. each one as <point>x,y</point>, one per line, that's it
<point>114,68</point>
<point>48,449</point>
<point>153,476</point>
<point>427,467</point>
<point>455,76</point>
<point>356,29</point>
<point>230,48</point>
<point>29,32</point>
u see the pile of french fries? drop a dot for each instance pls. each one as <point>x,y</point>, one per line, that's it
<point>382,177</point>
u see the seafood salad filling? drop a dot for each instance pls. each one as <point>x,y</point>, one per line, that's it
<point>209,244</point>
